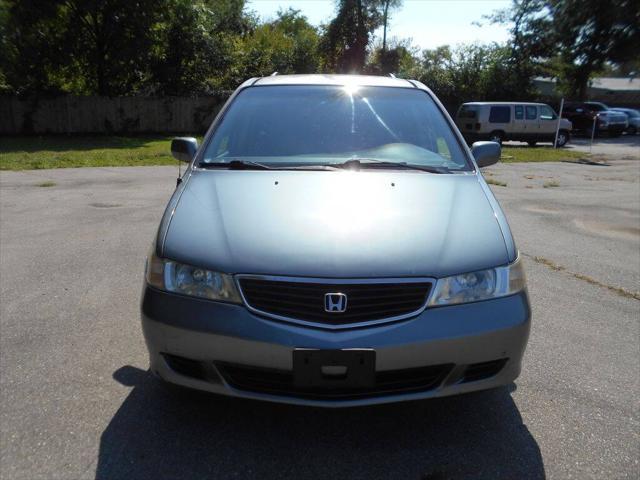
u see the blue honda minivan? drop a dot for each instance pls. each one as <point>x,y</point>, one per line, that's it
<point>333,243</point>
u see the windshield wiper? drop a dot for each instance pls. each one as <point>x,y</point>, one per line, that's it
<point>371,163</point>
<point>236,165</point>
<point>250,165</point>
<point>355,163</point>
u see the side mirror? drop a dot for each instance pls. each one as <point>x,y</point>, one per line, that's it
<point>486,153</point>
<point>184,148</point>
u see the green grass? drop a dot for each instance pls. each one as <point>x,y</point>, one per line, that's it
<point>47,183</point>
<point>539,154</point>
<point>31,153</point>
<point>492,181</point>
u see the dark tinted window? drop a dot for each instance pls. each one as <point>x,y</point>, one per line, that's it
<point>467,111</point>
<point>519,112</point>
<point>532,112</point>
<point>597,106</point>
<point>500,115</point>
<point>302,124</point>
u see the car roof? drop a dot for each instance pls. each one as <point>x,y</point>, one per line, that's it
<point>320,79</point>
<point>503,103</point>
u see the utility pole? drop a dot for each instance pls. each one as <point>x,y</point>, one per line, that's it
<point>555,142</point>
<point>384,31</point>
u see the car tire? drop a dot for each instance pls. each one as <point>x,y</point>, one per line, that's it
<point>496,136</point>
<point>532,144</point>
<point>563,138</point>
<point>632,130</point>
<point>615,133</point>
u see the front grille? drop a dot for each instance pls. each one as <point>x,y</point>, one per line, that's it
<point>280,382</point>
<point>305,300</point>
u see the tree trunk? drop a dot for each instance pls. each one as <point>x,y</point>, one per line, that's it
<point>580,82</point>
<point>362,39</point>
<point>97,33</point>
<point>582,90</point>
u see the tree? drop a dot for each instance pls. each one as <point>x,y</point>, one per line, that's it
<point>109,42</point>
<point>398,56</point>
<point>386,5</point>
<point>82,46</point>
<point>196,43</point>
<point>467,73</point>
<point>118,47</point>
<point>31,43</point>
<point>571,39</point>
<point>345,40</point>
<point>529,47</point>
<point>288,44</point>
<point>304,38</point>
<point>589,34</point>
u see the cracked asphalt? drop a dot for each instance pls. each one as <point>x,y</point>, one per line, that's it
<point>77,402</point>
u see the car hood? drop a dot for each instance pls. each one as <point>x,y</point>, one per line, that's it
<point>565,124</point>
<point>613,116</point>
<point>335,224</point>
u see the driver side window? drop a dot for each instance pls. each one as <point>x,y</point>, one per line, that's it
<point>546,113</point>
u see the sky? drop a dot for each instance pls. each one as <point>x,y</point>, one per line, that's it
<point>429,23</point>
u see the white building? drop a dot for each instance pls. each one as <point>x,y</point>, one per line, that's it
<point>614,91</point>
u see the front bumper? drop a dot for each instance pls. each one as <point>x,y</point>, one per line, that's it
<point>206,336</point>
<point>613,126</point>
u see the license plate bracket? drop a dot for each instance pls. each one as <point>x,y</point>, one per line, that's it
<point>334,369</point>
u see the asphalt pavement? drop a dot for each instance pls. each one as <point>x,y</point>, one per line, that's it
<point>77,401</point>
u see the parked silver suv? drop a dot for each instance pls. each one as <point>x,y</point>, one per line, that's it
<point>333,243</point>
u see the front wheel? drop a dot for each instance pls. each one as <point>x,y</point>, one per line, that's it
<point>496,137</point>
<point>563,138</point>
<point>532,144</point>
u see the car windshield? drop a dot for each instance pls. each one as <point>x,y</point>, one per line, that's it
<point>600,107</point>
<point>301,125</point>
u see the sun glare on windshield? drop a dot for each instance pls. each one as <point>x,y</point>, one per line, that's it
<point>351,88</point>
<point>328,124</point>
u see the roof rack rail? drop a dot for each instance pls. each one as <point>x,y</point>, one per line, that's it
<point>273,74</point>
<point>392,75</point>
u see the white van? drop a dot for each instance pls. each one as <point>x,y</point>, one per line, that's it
<point>520,121</point>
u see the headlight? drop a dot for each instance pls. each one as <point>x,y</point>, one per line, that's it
<point>482,285</point>
<point>188,280</point>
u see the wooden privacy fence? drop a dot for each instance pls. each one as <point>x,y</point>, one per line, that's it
<point>71,114</point>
